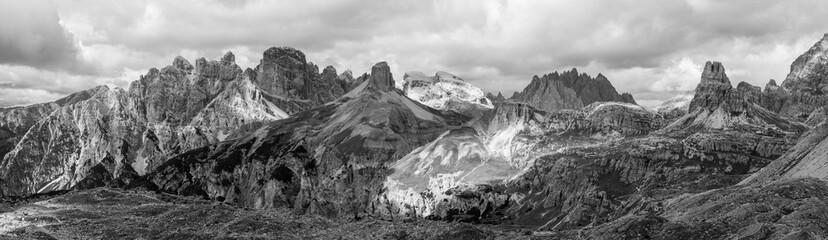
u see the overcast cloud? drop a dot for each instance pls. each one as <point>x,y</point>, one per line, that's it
<point>650,48</point>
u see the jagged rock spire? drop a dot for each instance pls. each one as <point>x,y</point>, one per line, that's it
<point>381,77</point>
<point>714,72</point>
<point>329,70</point>
<point>713,88</point>
<point>182,63</point>
<point>809,69</point>
<point>228,59</point>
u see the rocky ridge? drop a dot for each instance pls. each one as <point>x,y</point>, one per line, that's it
<point>16,121</point>
<point>569,169</point>
<point>804,89</point>
<point>444,91</point>
<point>717,105</point>
<point>569,90</point>
<point>330,160</point>
<point>166,112</point>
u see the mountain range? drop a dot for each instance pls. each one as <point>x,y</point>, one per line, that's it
<point>566,158</point>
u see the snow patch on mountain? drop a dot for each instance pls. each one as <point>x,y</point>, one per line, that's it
<point>443,88</point>
<point>679,102</point>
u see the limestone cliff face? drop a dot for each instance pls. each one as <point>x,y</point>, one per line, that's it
<point>722,139</point>
<point>805,88</point>
<point>445,91</point>
<point>166,112</point>
<point>718,106</point>
<point>16,121</point>
<point>330,160</point>
<point>464,174</point>
<point>569,90</point>
<point>806,159</point>
<point>296,84</point>
<point>57,150</point>
<point>496,99</point>
<point>568,169</point>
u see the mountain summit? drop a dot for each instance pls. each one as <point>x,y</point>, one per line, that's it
<point>166,112</point>
<point>569,90</point>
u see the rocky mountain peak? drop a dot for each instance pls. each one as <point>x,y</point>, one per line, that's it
<point>496,98</point>
<point>817,116</point>
<point>713,89</point>
<point>441,75</point>
<point>228,59</point>
<point>347,75</point>
<point>283,72</point>
<point>276,53</point>
<point>445,91</point>
<point>381,77</point>
<point>714,72</point>
<point>329,70</point>
<point>569,90</point>
<point>804,89</point>
<point>809,70</point>
<point>744,86</point>
<point>718,105</point>
<point>771,84</point>
<point>182,63</point>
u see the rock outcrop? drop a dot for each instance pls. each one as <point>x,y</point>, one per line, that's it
<point>817,116</point>
<point>805,88</point>
<point>58,150</point>
<point>496,99</point>
<point>463,174</point>
<point>570,169</point>
<point>444,91</point>
<point>16,121</point>
<point>330,160</point>
<point>718,106</point>
<point>569,90</point>
<point>676,106</point>
<point>805,160</point>
<point>166,112</point>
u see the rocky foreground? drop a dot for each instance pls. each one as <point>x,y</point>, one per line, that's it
<point>117,214</point>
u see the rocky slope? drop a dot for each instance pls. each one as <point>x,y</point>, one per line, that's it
<point>805,88</point>
<point>461,174</point>
<point>676,106</point>
<point>496,99</point>
<point>722,140</point>
<point>117,214</point>
<point>444,91</point>
<point>718,106</point>
<point>16,121</point>
<point>330,160</point>
<point>569,90</point>
<point>164,113</point>
<point>570,169</point>
<point>805,160</point>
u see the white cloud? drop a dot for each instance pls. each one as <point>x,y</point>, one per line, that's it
<point>31,35</point>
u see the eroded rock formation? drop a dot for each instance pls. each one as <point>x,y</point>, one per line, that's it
<point>166,112</point>
<point>444,91</point>
<point>569,90</point>
<point>330,160</point>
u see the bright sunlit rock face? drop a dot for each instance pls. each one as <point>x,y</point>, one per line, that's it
<point>444,91</point>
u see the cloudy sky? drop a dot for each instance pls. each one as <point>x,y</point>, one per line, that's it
<point>650,48</point>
